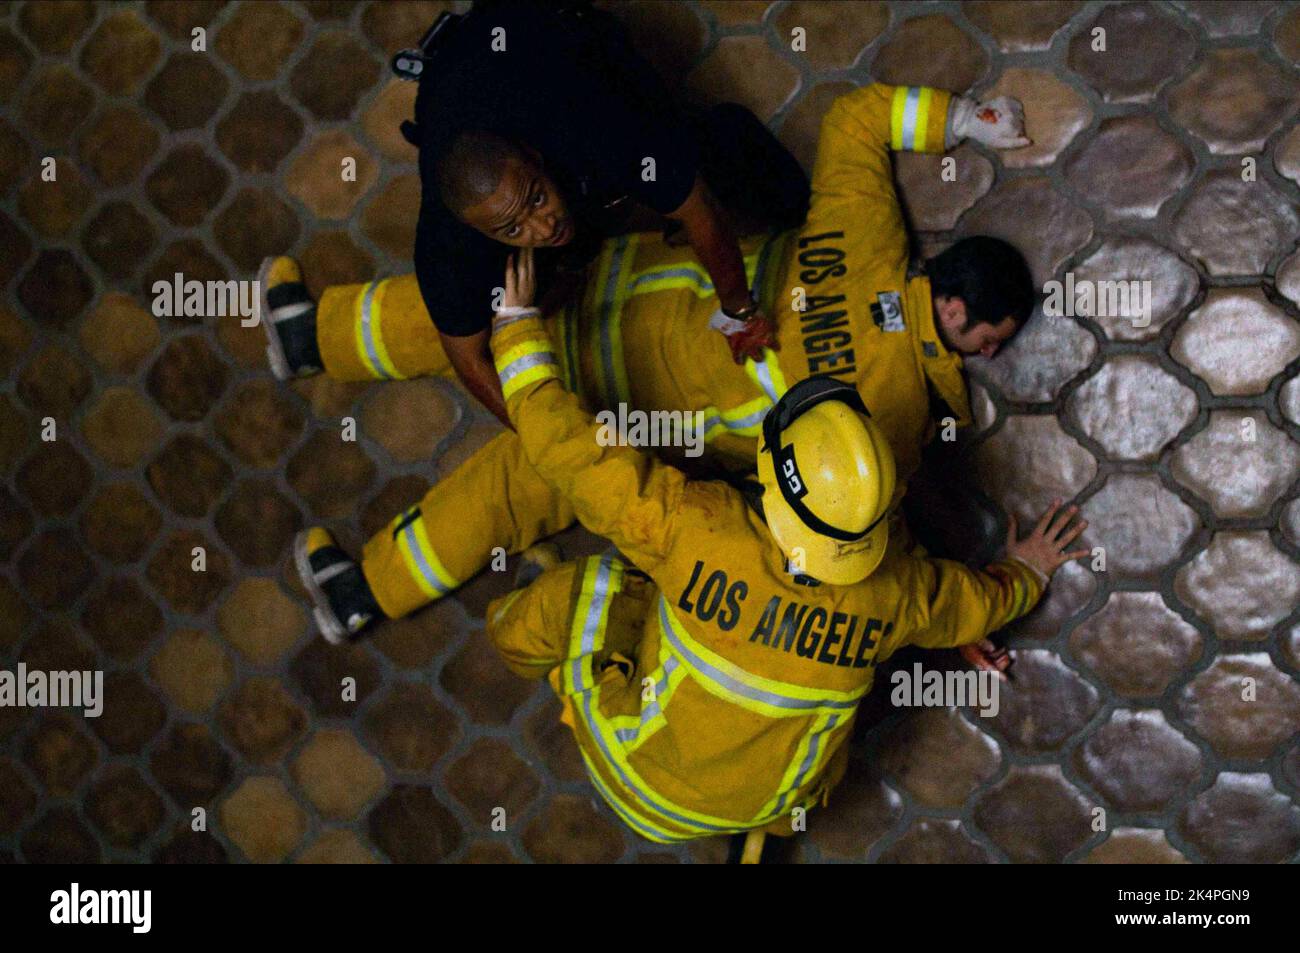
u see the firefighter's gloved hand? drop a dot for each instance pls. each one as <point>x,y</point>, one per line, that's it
<point>998,123</point>
<point>746,338</point>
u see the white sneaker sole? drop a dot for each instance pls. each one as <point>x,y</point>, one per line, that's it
<point>274,349</point>
<point>333,630</point>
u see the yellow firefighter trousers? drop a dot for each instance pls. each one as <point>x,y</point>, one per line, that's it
<point>639,285</point>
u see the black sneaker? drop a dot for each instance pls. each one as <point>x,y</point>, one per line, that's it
<point>289,317</point>
<point>345,606</point>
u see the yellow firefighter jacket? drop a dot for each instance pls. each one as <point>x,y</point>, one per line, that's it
<point>838,288</point>
<point>745,682</point>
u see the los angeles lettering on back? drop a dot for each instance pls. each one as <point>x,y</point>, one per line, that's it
<point>811,632</point>
<point>823,325</point>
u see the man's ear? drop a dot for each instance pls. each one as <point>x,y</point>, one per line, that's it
<point>951,312</point>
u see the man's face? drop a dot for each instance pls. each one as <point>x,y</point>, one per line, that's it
<point>526,210</point>
<point>983,339</point>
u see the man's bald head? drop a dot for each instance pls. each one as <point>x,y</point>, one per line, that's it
<point>499,188</point>
<point>471,168</point>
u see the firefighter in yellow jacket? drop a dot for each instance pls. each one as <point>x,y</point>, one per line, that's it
<point>642,337</point>
<point>709,687</point>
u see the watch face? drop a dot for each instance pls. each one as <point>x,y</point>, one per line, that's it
<point>744,312</point>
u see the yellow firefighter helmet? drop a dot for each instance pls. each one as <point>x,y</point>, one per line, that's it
<point>828,479</point>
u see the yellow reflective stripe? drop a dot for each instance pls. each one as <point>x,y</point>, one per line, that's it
<point>525,363</point>
<point>571,317</point>
<point>791,774</point>
<point>632,731</point>
<point>633,819</point>
<point>376,313</point>
<point>650,802</point>
<point>606,330</point>
<point>422,561</point>
<point>778,376</point>
<point>535,346</point>
<point>766,375</point>
<point>606,276</point>
<point>807,763</point>
<point>617,366</point>
<point>521,379</point>
<point>567,348</point>
<point>1014,576</point>
<point>505,606</point>
<point>896,108</point>
<point>1017,596</point>
<point>744,414</point>
<point>713,425</point>
<point>560,338</point>
<point>747,419</point>
<point>908,113</point>
<point>570,675</point>
<point>683,274</point>
<point>922,118</point>
<point>369,333</point>
<point>601,578</point>
<point>1023,588</point>
<point>766,276</point>
<point>765,696</point>
<point>909,117</point>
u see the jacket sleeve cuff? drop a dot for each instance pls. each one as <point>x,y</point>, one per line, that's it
<point>1026,585</point>
<point>522,352</point>
<point>960,110</point>
<point>1042,578</point>
<point>918,119</point>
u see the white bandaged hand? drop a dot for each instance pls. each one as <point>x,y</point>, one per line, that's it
<point>998,123</point>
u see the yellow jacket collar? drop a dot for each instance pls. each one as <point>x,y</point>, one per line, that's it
<point>942,367</point>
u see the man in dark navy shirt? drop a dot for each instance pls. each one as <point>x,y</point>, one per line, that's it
<point>539,126</point>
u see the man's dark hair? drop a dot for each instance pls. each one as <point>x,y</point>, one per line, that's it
<point>989,275</point>
<point>470,168</point>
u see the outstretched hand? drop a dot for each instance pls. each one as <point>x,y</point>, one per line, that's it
<point>1044,548</point>
<point>998,123</point>
<point>521,287</point>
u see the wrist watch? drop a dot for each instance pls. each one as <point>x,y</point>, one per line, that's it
<point>745,313</point>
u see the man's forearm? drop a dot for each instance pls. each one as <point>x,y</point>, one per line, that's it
<point>480,379</point>
<point>490,397</point>
<point>716,247</point>
<point>719,253</point>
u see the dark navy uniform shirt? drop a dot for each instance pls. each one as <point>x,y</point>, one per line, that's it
<point>569,86</point>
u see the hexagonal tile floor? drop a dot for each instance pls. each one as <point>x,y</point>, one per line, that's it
<point>1162,690</point>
